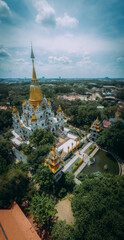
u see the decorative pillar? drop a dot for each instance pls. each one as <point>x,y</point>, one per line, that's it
<point>68,152</point>
<point>79,141</point>
<point>76,144</point>
<point>72,147</point>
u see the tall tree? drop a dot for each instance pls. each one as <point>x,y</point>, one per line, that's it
<point>43,210</point>
<point>112,138</point>
<point>13,187</point>
<point>45,178</point>
<point>62,231</point>
<point>41,137</point>
<point>98,208</point>
<point>6,155</point>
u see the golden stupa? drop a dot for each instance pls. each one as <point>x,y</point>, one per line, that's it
<point>35,90</point>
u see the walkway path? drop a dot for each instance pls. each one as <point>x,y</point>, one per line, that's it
<point>77,181</point>
<point>86,160</point>
<point>82,166</point>
<point>77,155</point>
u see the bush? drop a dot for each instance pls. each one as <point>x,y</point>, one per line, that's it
<point>91,149</point>
<point>77,164</point>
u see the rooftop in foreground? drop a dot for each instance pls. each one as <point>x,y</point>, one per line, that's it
<point>15,226</point>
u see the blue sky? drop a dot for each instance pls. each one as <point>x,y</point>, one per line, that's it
<point>70,38</point>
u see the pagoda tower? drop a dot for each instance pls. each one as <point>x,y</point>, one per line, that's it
<point>60,118</point>
<point>95,129</point>
<point>35,98</point>
<point>36,112</point>
<point>54,162</point>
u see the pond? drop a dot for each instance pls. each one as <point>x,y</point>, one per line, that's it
<point>103,159</point>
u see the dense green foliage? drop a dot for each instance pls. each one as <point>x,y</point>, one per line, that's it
<point>45,178</point>
<point>62,231</point>
<point>13,187</point>
<point>41,137</point>
<point>120,94</point>
<point>38,156</point>
<point>26,148</point>
<point>64,185</point>
<point>5,119</point>
<point>112,138</point>
<point>6,155</point>
<point>41,142</point>
<point>98,208</point>
<point>43,209</point>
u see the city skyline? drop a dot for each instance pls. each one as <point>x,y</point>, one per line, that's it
<point>83,38</point>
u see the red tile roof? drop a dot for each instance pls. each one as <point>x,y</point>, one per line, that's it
<point>106,123</point>
<point>15,226</point>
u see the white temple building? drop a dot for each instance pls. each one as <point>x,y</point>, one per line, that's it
<point>37,112</point>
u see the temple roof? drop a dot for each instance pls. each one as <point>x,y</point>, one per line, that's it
<point>54,161</point>
<point>96,125</point>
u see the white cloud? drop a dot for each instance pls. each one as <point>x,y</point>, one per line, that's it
<point>46,14</point>
<point>63,60</point>
<point>20,60</point>
<point>67,21</point>
<point>4,9</point>
<point>120,59</point>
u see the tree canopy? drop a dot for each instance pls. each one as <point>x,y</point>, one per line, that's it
<point>98,208</point>
<point>41,142</point>
<point>13,187</point>
<point>41,137</point>
<point>43,209</point>
<point>38,156</point>
<point>6,155</point>
<point>5,119</point>
<point>45,178</point>
<point>62,231</point>
<point>112,138</point>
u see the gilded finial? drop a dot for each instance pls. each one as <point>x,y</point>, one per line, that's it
<point>34,78</point>
<point>48,101</point>
<point>24,102</point>
<point>15,111</point>
<point>33,118</point>
<point>53,150</point>
<point>32,53</point>
<point>59,109</point>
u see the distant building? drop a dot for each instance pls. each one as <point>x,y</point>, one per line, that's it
<point>15,226</point>
<point>106,124</point>
<point>100,108</point>
<point>110,98</point>
<point>113,119</point>
<point>95,129</point>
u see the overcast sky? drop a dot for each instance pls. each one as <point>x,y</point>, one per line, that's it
<point>70,38</point>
